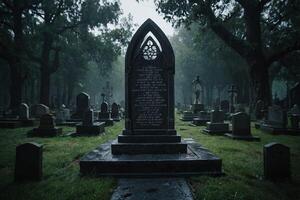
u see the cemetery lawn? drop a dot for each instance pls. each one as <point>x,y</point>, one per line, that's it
<point>242,165</point>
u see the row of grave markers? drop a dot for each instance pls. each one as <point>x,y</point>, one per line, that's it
<point>29,162</point>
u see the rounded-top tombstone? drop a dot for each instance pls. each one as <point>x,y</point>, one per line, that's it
<point>82,102</point>
<point>47,121</point>
<point>28,164</point>
<point>104,107</point>
<point>149,82</point>
<point>24,111</point>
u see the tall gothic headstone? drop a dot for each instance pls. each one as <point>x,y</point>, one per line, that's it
<point>150,144</point>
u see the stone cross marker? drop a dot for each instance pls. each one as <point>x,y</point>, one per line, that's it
<point>24,111</point>
<point>276,161</point>
<point>28,164</point>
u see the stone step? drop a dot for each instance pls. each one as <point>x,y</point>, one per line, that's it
<point>148,148</point>
<point>149,138</point>
<point>197,161</point>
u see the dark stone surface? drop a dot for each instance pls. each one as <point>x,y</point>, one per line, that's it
<point>276,162</point>
<point>197,161</point>
<point>115,112</point>
<point>152,189</point>
<point>95,129</point>
<point>148,148</point>
<point>47,128</point>
<point>224,106</point>
<point>241,129</point>
<point>29,158</point>
<point>197,108</point>
<point>149,138</point>
<point>188,116</point>
<point>82,104</point>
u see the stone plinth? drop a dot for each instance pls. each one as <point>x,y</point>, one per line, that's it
<point>196,161</point>
<point>216,128</point>
<point>188,116</point>
<point>47,128</point>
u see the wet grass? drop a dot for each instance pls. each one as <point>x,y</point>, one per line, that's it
<point>61,178</point>
<point>242,165</point>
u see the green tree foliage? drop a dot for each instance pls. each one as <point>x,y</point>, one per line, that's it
<point>44,36</point>
<point>203,53</point>
<point>260,31</point>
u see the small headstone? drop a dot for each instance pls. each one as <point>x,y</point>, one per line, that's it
<point>241,127</point>
<point>88,127</point>
<point>29,158</point>
<point>217,116</point>
<point>82,104</point>
<point>115,112</point>
<point>24,111</point>
<point>241,124</point>
<point>104,115</point>
<point>39,110</point>
<point>276,162</point>
<point>216,124</point>
<point>276,117</point>
<point>47,127</point>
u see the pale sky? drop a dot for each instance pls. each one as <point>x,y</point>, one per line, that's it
<point>142,11</point>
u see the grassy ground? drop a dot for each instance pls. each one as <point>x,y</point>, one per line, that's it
<point>242,164</point>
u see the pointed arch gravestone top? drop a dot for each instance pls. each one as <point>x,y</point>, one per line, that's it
<point>150,143</point>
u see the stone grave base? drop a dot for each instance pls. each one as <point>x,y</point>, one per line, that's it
<point>45,132</point>
<point>196,161</point>
<point>216,128</point>
<point>200,122</point>
<point>279,131</point>
<point>96,129</point>
<point>239,137</point>
<point>187,116</point>
<point>16,123</point>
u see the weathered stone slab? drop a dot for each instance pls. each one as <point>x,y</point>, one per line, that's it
<point>29,158</point>
<point>276,161</point>
<point>197,161</point>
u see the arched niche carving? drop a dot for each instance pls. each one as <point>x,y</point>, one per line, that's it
<point>159,39</point>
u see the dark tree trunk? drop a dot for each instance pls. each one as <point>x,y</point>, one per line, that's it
<point>45,70</point>
<point>260,85</point>
<point>16,83</point>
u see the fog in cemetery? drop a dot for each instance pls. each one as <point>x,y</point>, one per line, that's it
<point>149,99</point>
